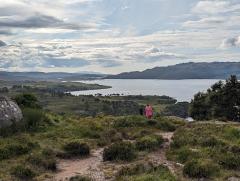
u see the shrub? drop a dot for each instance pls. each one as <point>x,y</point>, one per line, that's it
<point>23,173</point>
<point>166,125</point>
<point>235,149</point>
<point>182,138</point>
<point>134,169</point>
<point>80,178</point>
<point>33,118</point>
<point>230,160</point>
<point>211,142</point>
<point>123,151</point>
<point>130,121</point>
<point>47,162</point>
<point>13,150</point>
<point>149,143</point>
<point>200,169</point>
<point>232,133</point>
<point>151,122</point>
<point>77,149</point>
<point>109,136</point>
<point>27,100</point>
<point>185,154</point>
<point>145,172</point>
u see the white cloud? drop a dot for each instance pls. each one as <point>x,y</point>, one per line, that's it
<point>114,36</point>
<point>211,7</point>
<point>209,22</point>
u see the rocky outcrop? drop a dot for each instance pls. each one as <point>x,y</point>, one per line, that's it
<point>9,112</point>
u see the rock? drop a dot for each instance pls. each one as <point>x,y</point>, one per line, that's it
<point>233,179</point>
<point>9,112</point>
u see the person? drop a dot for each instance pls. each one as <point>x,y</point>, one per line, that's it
<point>149,111</point>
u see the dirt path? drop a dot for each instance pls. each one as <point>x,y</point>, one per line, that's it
<point>96,169</point>
<point>88,166</point>
<point>159,157</point>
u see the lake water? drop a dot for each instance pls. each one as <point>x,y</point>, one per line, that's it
<point>182,90</point>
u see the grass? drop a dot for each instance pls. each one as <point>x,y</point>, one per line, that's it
<point>120,151</point>
<point>23,173</point>
<point>145,172</point>
<point>149,143</point>
<point>207,150</point>
<point>38,149</point>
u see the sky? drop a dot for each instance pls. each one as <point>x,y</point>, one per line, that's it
<point>113,36</point>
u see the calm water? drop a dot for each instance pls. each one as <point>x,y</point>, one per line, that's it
<point>182,90</point>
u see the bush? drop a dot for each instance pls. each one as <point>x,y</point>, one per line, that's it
<point>185,154</point>
<point>122,151</point>
<point>134,169</point>
<point>27,100</point>
<point>149,143</point>
<point>145,172</point>
<point>77,149</point>
<point>33,118</point>
<point>130,121</point>
<point>151,122</point>
<point>109,136</point>
<point>230,160</point>
<point>40,160</point>
<point>200,169</point>
<point>211,142</point>
<point>80,178</point>
<point>23,173</point>
<point>166,125</point>
<point>13,150</point>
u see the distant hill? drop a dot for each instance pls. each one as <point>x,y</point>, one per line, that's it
<point>215,70</point>
<point>21,76</point>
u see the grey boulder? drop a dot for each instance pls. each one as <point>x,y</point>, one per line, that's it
<point>9,112</point>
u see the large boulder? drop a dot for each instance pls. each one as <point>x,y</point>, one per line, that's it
<point>9,112</point>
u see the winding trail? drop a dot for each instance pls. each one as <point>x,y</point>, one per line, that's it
<point>159,157</point>
<point>89,167</point>
<point>94,167</point>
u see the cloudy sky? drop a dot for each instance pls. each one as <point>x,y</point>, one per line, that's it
<point>112,36</point>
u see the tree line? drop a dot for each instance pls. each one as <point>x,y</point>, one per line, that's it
<point>222,101</point>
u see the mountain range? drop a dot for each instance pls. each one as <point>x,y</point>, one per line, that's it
<point>214,70</point>
<point>52,76</point>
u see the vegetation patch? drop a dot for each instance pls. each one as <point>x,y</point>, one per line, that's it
<point>200,169</point>
<point>48,162</point>
<point>76,149</point>
<point>121,151</point>
<point>23,173</point>
<point>80,178</point>
<point>130,121</point>
<point>230,160</point>
<point>14,150</point>
<point>149,143</point>
<point>145,172</point>
<point>206,150</point>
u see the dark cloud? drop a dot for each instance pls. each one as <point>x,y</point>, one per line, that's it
<point>65,62</point>
<point>2,43</point>
<point>108,63</point>
<point>231,42</point>
<point>6,32</point>
<point>40,21</point>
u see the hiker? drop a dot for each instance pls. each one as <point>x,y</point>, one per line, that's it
<point>148,111</point>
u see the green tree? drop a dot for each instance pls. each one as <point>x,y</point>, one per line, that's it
<point>222,100</point>
<point>27,100</point>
